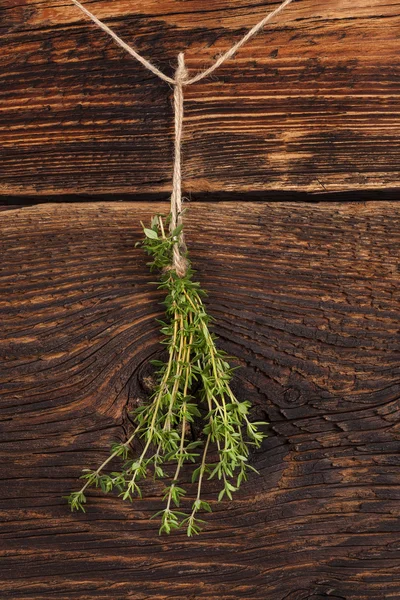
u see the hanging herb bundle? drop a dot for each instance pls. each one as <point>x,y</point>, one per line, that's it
<point>193,386</point>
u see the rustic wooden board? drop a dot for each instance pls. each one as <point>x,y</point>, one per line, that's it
<point>311,104</point>
<point>307,298</point>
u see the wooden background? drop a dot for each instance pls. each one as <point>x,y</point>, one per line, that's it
<point>306,293</point>
<point>310,105</point>
<point>307,297</point>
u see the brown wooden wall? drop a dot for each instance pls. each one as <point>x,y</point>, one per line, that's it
<point>307,297</point>
<point>310,105</point>
<point>305,293</point>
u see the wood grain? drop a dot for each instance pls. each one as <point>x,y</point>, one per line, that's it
<point>306,296</point>
<point>311,104</point>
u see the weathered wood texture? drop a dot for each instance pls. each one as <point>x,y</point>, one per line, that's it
<point>311,104</point>
<point>307,297</point>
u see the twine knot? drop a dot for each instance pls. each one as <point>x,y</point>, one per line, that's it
<point>181,73</point>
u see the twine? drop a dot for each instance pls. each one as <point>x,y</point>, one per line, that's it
<point>181,79</point>
<point>179,262</point>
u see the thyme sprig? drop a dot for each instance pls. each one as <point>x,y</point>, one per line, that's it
<point>193,385</point>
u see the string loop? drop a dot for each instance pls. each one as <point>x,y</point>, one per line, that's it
<point>181,79</point>
<point>202,74</point>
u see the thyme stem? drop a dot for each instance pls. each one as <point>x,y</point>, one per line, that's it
<point>194,361</point>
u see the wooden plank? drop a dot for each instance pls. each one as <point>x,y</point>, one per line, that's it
<point>307,297</point>
<point>311,104</point>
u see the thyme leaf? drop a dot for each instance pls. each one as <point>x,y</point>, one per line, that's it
<point>193,386</point>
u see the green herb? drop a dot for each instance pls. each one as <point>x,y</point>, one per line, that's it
<point>193,386</point>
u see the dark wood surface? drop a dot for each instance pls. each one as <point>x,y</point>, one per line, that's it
<point>311,104</point>
<point>306,296</point>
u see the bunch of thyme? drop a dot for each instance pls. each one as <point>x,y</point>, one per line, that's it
<point>192,385</point>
